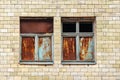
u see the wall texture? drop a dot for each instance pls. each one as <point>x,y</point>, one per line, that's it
<point>107,14</point>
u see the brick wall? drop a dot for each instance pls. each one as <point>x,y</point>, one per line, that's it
<point>107,14</point>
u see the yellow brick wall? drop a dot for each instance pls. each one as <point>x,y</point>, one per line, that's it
<point>107,14</point>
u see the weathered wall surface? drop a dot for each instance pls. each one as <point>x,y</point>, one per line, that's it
<point>107,14</point>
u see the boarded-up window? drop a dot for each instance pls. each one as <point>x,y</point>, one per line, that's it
<point>86,48</point>
<point>78,40</point>
<point>36,39</point>
<point>69,49</point>
<point>36,26</point>
<point>28,48</point>
<point>44,47</point>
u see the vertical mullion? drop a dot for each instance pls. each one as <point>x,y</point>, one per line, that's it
<point>36,47</point>
<point>77,41</point>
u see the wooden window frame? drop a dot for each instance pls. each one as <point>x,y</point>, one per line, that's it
<point>36,37</point>
<point>77,36</point>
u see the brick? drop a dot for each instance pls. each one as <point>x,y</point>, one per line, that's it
<point>107,32</point>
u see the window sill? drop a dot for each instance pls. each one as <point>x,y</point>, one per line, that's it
<point>79,62</point>
<point>37,62</point>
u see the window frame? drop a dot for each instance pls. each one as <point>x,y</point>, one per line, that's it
<point>36,37</point>
<point>77,36</point>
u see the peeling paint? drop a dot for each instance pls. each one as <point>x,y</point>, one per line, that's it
<point>86,48</point>
<point>44,50</point>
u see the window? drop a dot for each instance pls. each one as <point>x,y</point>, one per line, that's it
<point>36,40</point>
<point>78,40</point>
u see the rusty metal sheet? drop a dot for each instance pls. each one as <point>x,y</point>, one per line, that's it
<point>86,48</point>
<point>44,48</point>
<point>69,49</point>
<point>28,48</point>
<point>36,26</point>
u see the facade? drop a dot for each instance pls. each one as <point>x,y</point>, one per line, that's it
<point>37,44</point>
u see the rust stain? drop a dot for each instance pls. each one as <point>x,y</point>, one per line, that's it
<point>28,48</point>
<point>69,49</point>
<point>44,51</point>
<point>86,48</point>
